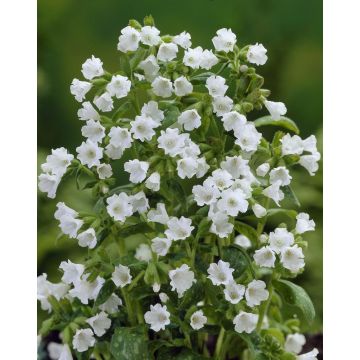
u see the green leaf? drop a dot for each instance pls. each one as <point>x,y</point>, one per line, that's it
<point>203,227</point>
<point>125,64</point>
<point>290,195</point>
<point>192,296</point>
<point>236,258</point>
<point>290,213</point>
<point>296,299</point>
<point>129,344</point>
<point>246,230</point>
<point>107,289</point>
<point>283,122</point>
<point>137,58</point>
<point>141,228</point>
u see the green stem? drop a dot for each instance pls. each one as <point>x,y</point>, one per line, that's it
<point>128,305</point>
<point>220,247</point>
<point>193,252</point>
<point>219,343</point>
<point>265,307</point>
<point>136,280</point>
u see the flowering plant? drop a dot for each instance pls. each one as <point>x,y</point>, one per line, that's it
<point>205,280</point>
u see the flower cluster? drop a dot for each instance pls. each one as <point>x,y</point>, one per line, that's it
<point>183,245</point>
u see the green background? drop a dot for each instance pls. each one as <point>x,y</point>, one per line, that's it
<point>70,31</point>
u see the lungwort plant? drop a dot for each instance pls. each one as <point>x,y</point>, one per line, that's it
<point>208,278</point>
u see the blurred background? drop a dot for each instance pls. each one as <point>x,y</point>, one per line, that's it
<point>71,31</point>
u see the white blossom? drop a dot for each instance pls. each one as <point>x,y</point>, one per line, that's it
<point>221,225</point>
<point>236,166</point>
<point>49,183</point>
<point>198,320</point>
<point>160,245</point>
<point>143,127</point>
<point>304,223</point>
<point>182,86</point>
<point>186,167</point>
<point>137,170</point>
<point>310,162</point>
<point>88,112</point>
<point>79,89</point>
<point>158,215</point>
<point>281,174</point>
<point>242,241</point>
<point>119,86</point>
<point>257,54</point>
<point>92,68</point>
<point>309,356</point>
<point>234,292</point>
<point>151,110</point>
<point>62,210</point>
<point>121,276</point>
<point>247,137</point>
<point>276,109</point>
<point>245,322</point>
<point>150,67</point>
<point>85,290</point>
<point>104,102</point>
<point>162,87</point>
<point>158,317</point>
<point>93,130</point>
<point>294,343</point>
<point>139,202</point>
<point>143,253</point>
<point>153,182</point>
<point>72,272</point>
<point>292,258</point>
<point>256,293</point>
<point>57,162</point>
<point>167,51</point>
<point>183,40</point>
<point>100,323</point>
<point>114,152</point>
<point>182,279</point>
<point>171,141</point>
<point>163,298</point>
<point>208,60</point>
<point>232,202</point>
<point>70,225</point>
<point>222,105</point>
<point>265,257</point>
<point>262,169</point>
<point>104,171</point>
<point>280,239</point>
<point>220,179</point>
<point>119,206</point>
<point>192,57</point>
<point>291,145</point>
<point>220,273</point>
<point>190,119</point>
<point>204,194</point>
<point>128,40</point>
<point>111,305</point>
<point>224,40</point>
<point>216,85</point>
<point>87,238</point>
<point>149,35</point>
<point>233,120</point>
<point>89,153</point>
<point>83,340</point>
<point>179,229</point>
<point>259,210</point>
<point>273,192</point>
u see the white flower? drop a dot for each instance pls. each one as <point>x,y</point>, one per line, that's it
<point>143,253</point>
<point>205,194</point>
<point>92,68</point>
<point>198,320</point>
<point>162,87</point>
<point>48,184</point>
<point>245,322</point>
<point>294,343</point>
<point>111,305</point>
<point>182,86</point>
<point>63,210</point>
<point>151,109</point>
<point>256,293</point>
<point>236,166</point>
<point>182,279</point>
<point>242,241</point>
<point>273,192</point>
<point>222,105</point>
<point>193,57</point>
<point>244,185</point>
<point>216,85</point>
<point>139,202</point>
<point>292,258</point>
<point>54,350</point>
<point>186,167</point>
<point>234,292</point>
<point>119,206</point>
<point>219,178</point>
<point>129,39</point>
<point>190,119</point>
<point>310,163</point>
<point>304,223</point>
<point>140,77</point>
<point>87,238</point>
<point>153,182</point>
<point>57,162</point>
<point>309,356</point>
<point>114,152</point>
<point>65,353</point>
<point>220,273</point>
<point>233,120</point>
<point>156,287</point>
<point>202,167</point>
<point>276,109</point>
<point>72,271</point>
<point>257,54</point>
<point>150,67</point>
<point>262,169</point>
<point>104,102</point>
<point>93,130</point>
<point>232,202</point>
<point>160,246</point>
<point>143,127</point>
<point>171,141</point>
<point>191,149</point>
<point>265,257</point>
<point>70,226</point>
<point>150,35</point>
<point>88,112</point>
<point>280,239</point>
<point>79,89</point>
<point>167,51</point>
<point>121,276</point>
<point>220,224</point>
<point>291,145</point>
<point>225,40</point>
<point>179,229</point>
<point>208,60</point>
<point>100,323</point>
<point>158,215</point>
<point>158,317</point>
<point>89,153</point>
<point>104,171</point>
<point>83,340</point>
<point>310,144</point>
<point>137,170</point>
<point>85,290</point>
<point>119,86</point>
<point>247,137</point>
<point>259,210</point>
<point>163,298</point>
<point>183,40</point>
<point>281,174</point>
